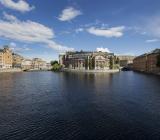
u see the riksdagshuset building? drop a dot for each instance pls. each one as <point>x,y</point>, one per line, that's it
<point>89,60</point>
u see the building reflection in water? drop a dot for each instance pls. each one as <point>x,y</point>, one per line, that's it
<point>93,82</point>
<point>7,83</point>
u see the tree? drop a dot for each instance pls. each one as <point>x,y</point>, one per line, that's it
<point>54,62</point>
<point>158,60</point>
<point>91,63</point>
<point>111,62</point>
<point>117,60</point>
<point>56,67</point>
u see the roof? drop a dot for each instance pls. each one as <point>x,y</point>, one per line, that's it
<point>87,52</point>
<point>156,51</point>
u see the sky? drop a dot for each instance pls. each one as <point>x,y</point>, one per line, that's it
<point>46,28</point>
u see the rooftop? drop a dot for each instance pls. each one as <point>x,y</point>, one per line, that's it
<point>156,51</point>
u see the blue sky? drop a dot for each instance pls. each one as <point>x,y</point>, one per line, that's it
<point>45,28</point>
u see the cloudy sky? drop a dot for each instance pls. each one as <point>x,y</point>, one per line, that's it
<point>45,28</point>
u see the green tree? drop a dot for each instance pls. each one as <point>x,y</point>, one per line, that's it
<point>111,62</point>
<point>91,63</point>
<point>117,60</point>
<point>54,62</point>
<point>158,60</point>
<point>56,67</point>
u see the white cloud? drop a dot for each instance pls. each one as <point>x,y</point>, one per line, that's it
<point>153,27</point>
<point>108,33</point>
<point>21,5</point>
<point>16,49</point>
<point>12,45</point>
<point>69,14</point>
<point>58,47</point>
<point>152,40</point>
<point>9,17</point>
<point>79,30</point>
<point>149,27</point>
<point>29,31</point>
<point>102,49</point>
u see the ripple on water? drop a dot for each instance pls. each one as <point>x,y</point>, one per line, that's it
<point>67,106</point>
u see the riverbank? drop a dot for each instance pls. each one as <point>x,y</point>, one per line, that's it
<point>10,70</point>
<point>91,71</point>
<point>36,70</point>
<point>19,70</point>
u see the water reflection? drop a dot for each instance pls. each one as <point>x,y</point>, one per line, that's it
<point>61,106</point>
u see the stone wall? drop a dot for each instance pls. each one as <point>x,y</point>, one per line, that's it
<point>10,70</point>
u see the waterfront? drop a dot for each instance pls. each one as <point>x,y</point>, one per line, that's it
<point>79,106</point>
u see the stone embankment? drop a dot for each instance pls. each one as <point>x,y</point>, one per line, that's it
<point>91,71</point>
<point>10,70</point>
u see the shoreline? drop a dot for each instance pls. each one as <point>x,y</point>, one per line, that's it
<point>10,70</point>
<point>19,70</point>
<point>91,71</point>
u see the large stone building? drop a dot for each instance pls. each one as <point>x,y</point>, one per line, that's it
<point>88,60</point>
<point>39,64</point>
<point>149,62</point>
<point>26,64</point>
<point>125,60</point>
<point>1,59</point>
<point>14,60</point>
<point>17,60</point>
<point>5,58</point>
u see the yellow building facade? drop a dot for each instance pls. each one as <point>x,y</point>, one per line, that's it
<point>17,60</point>
<point>6,58</point>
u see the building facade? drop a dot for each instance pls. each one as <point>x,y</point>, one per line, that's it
<point>39,64</point>
<point>13,60</point>
<point>88,60</point>
<point>26,64</point>
<point>17,60</point>
<point>125,60</point>
<point>6,58</point>
<point>1,59</point>
<point>148,62</point>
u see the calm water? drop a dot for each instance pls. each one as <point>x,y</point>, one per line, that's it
<point>65,106</point>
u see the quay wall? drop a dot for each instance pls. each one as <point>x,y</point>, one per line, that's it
<point>91,71</point>
<point>10,70</point>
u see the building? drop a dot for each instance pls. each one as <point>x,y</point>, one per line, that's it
<point>26,64</point>
<point>1,59</point>
<point>13,60</point>
<point>39,64</point>
<point>125,60</point>
<point>5,58</point>
<point>88,60</point>
<point>149,62</point>
<point>49,67</point>
<point>17,60</point>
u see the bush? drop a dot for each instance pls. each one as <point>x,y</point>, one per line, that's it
<point>54,62</point>
<point>56,67</point>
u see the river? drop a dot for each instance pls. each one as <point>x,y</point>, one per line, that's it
<point>79,106</point>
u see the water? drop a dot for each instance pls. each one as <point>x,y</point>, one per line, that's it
<point>72,106</point>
